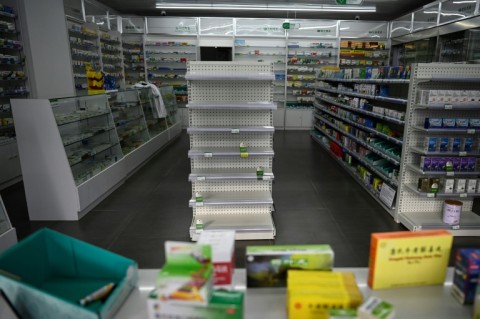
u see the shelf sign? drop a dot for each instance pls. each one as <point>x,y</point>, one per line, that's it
<point>200,178</point>
<point>244,154</point>
<point>290,26</point>
<point>387,195</point>
<point>323,31</point>
<point>348,2</point>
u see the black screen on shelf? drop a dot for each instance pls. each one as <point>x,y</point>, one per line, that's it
<point>215,54</point>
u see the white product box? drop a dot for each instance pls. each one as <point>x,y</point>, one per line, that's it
<point>460,185</point>
<point>471,186</point>
<point>448,186</point>
<point>223,257</point>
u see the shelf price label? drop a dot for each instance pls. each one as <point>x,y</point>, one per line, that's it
<point>431,195</point>
<point>470,131</point>
<point>200,178</point>
<point>450,173</point>
<point>235,131</point>
<point>463,195</point>
<point>244,154</point>
<point>448,106</point>
<point>267,177</point>
<point>207,154</point>
<point>456,227</point>
<point>462,154</point>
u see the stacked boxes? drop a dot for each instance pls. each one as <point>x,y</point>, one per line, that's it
<point>450,144</point>
<point>447,164</point>
<point>442,97</point>
<point>451,123</point>
<point>267,266</point>
<point>312,294</point>
<point>467,269</point>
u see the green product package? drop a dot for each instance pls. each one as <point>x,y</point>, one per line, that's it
<point>267,266</point>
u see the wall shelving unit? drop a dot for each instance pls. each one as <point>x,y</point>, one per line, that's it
<point>231,103</point>
<point>76,151</point>
<point>363,53</point>
<point>423,210</point>
<point>111,56</point>
<point>363,131</point>
<point>133,59</point>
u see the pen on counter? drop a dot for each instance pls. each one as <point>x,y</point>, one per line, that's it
<point>97,294</point>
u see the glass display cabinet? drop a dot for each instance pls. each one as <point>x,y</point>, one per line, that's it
<point>420,51</point>
<point>463,46</point>
<point>8,235</point>
<point>155,125</point>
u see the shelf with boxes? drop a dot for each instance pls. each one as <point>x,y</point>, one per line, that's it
<point>441,148</point>
<point>231,147</point>
<point>133,59</point>
<point>367,132</point>
<point>84,47</point>
<point>111,57</point>
<point>166,62</point>
<point>85,147</point>
<point>357,53</point>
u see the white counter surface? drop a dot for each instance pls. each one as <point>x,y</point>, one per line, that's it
<point>430,302</point>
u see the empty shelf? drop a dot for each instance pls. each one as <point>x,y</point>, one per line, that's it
<point>229,151</point>
<point>234,198</point>
<point>201,174</point>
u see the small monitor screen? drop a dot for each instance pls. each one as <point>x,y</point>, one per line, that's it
<point>215,53</point>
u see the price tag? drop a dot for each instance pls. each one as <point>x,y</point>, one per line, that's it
<point>448,106</point>
<point>235,131</point>
<point>463,195</point>
<point>470,131</point>
<point>208,154</point>
<point>266,177</point>
<point>199,204</point>
<point>450,173</point>
<point>456,227</point>
<point>244,154</point>
<point>200,178</point>
<point>462,154</point>
<point>430,195</point>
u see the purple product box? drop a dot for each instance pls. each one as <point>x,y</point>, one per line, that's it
<point>442,163</point>
<point>464,164</point>
<point>456,164</point>
<point>427,164</point>
<point>467,271</point>
<point>472,163</point>
<point>435,164</point>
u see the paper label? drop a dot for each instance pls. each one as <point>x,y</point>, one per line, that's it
<point>200,178</point>
<point>208,154</point>
<point>448,106</point>
<point>235,131</point>
<point>199,204</point>
<point>430,195</point>
<point>463,195</point>
<point>450,173</point>
<point>471,131</point>
<point>267,178</point>
<point>462,154</point>
<point>244,154</point>
<point>456,227</point>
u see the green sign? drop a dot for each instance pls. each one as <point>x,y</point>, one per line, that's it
<point>286,25</point>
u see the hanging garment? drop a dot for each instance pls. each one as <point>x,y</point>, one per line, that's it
<point>159,110</point>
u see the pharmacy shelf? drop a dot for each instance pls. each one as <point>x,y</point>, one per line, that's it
<point>469,222</point>
<point>246,226</point>
<point>447,130</point>
<point>206,174</point>
<point>448,106</point>
<point>390,158</point>
<point>360,126</point>
<point>419,150</point>
<point>365,96</point>
<point>354,175</point>
<point>413,188</point>
<point>225,129</point>
<point>448,79</point>
<point>358,110</point>
<point>229,151</point>
<point>230,77</point>
<point>370,81</point>
<point>416,169</point>
<point>360,158</point>
<point>233,198</point>
<point>232,106</point>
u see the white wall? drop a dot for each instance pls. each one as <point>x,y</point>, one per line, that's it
<point>46,45</point>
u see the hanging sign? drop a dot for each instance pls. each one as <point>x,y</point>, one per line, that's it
<point>290,26</point>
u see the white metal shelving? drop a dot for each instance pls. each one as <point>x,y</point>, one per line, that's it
<point>417,210</point>
<point>231,103</point>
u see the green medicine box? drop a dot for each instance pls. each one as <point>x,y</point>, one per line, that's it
<point>46,275</point>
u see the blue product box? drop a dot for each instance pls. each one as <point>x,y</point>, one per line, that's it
<point>472,163</point>
<point>431,144</point>
<point>456,143</point>
<point>369,123</point>
<point>426,164</point>
<point>474,123</point>
<point>442,162</point>
<point>464,164</point>
<point>468,144</point>
<point>461,123</point>
<point>465,278</point>
<point>443,145</point>
<point>448,123</point>
<point>433,122</point>
<point>435,164</point>
<point>46,275</point>
<point>456,164</point>
<point>368,74</point>
<point>383,90</point>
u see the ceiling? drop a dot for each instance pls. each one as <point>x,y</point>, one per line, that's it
<point>386,9</point>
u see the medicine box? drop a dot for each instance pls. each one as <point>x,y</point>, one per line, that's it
<point>460,185</point>
<point>223,305</point>
<point>187,275</point>
<point>449,123</point>
<point>267,266</point>
<point>465,278</point>
<point>443,144</point>
<point>433,122</point>
<point>430,144</point>
<point>456,143</point>
<point>448,185</point>
<point>376,308</point>
<point>223,248</point>
<point>471,186</point>
<point>46,275</point>
<point>425,163</point>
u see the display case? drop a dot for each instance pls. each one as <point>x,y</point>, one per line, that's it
<point>84,46</point>
<point>166,60</point>
<point>460,46</point>
<point>8,235</point>
<point>420,51</point>
<point>129,119</point>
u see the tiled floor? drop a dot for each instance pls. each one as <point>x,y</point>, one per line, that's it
<point>315,201</point>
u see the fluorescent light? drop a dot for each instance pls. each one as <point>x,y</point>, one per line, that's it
<point>266,7</point>
<point>466,1</point>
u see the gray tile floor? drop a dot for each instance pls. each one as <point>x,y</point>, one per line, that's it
<point>315,201</point>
